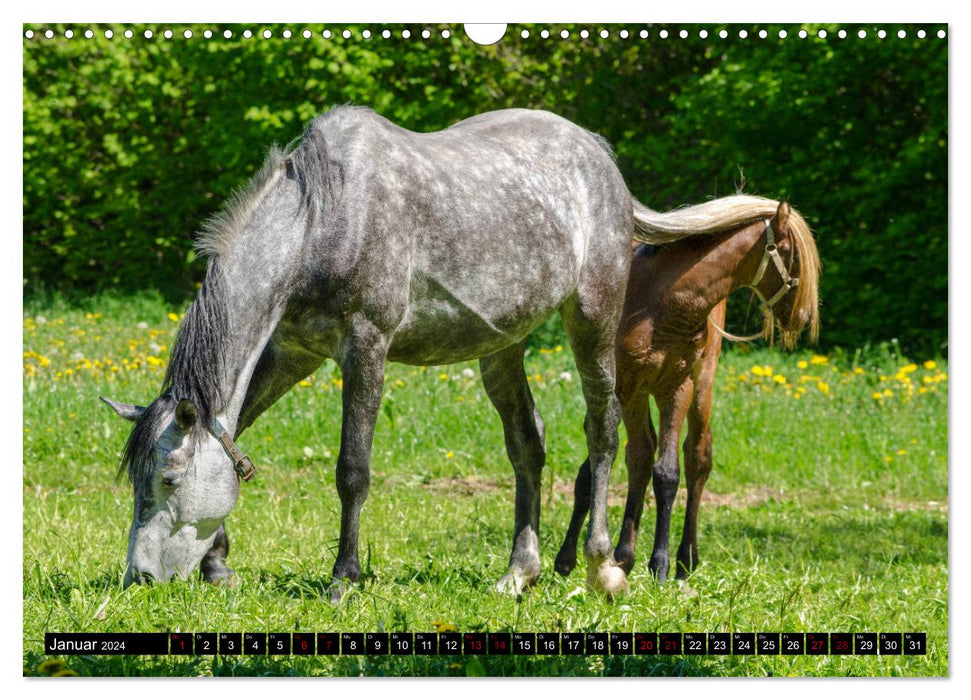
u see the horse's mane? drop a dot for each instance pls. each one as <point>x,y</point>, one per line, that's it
<point>196,364</point>
<point>731,213</point>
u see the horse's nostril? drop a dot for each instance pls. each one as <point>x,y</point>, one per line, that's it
<point>139,577</point>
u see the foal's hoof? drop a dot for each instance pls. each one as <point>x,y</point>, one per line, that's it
<point>516,581</point>
<point>224,577</point>
<point>624,556</point>
<point>607,578</point>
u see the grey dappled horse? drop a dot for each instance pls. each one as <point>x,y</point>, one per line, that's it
<point>369,243</point>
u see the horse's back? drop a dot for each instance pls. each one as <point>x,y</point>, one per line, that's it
<point>479,231</point>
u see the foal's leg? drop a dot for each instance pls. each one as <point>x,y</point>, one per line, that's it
<point>213,566</point>
<point>667,473</point>
<point>641,444</point>
<point>566,558</point>
<point>697,467</point>
<point>697,456</point>
<point>362,367</point>
<point>591,332</point>
<point>505,383</point>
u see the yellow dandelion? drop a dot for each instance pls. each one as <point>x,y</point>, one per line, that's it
<point>819,360</point>
<point>909,368</point>
<point>888,459</point>
<point>930,364</point>
<point>449,454</point>
<point>443,376</point>
<point>802,364</point>
<point>877,395</point>
<point>304,382</point>
<point>559,348</point>
<point>174,318</point>
<point>887,392</point>
<point>901,452</point>
<point>399,382</point>
<point>459,399</point>
<point>823,387</point>
<point>859,370</point>
<point>779,379</point>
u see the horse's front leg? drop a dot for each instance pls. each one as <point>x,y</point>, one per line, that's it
<point>362,366</point>
<point>697,451</point>
<point>213,567</point>
<point>522,426</point>
<point>566,558</point>
<point>667,473</point>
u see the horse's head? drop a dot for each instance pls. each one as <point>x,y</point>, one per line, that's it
<point>787,280</point>
<point>185,485</point>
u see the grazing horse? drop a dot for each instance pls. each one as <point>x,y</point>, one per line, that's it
<point>369,243</point>
<point>669,341</point>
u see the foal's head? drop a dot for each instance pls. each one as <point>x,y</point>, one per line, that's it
<point>787,281</point>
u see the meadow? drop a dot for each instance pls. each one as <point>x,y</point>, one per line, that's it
<point>826,511</point>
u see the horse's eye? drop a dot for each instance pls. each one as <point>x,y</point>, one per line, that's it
<point>172,477</point>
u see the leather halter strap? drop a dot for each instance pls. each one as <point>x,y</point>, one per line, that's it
<point>772,253</point>
<point>241,463</point>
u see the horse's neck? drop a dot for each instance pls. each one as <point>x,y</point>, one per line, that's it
<point>717,268</point>
<point>252,310</point>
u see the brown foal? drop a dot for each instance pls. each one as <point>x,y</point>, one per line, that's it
<point>668,346</point>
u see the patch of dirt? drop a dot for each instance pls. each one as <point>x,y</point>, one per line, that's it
<point>471,486</point>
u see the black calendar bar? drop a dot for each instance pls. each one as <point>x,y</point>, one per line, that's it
<point>488,643</point>
<point>113,644</point>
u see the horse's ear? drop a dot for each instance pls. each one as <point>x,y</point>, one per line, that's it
<point>782,219</point>
<point>128,411</point>
<point>186,415</point>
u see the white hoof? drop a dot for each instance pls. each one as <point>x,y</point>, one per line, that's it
<point>607,578</point>
<point>515,582</point>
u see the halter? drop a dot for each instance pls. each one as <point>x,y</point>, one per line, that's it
<point>772,253</point>
<point>241,463</point>
<point>788,282</point>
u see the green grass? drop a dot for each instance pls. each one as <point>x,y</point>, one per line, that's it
<point>828,512</point>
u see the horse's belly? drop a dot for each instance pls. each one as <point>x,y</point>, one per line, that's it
<point>442,327</point>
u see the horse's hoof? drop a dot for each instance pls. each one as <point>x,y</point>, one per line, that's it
<point>515,582</point>
<point>624,558</point>
<point>565,563</point>
<point>337,590</point>
<point>607,578</point>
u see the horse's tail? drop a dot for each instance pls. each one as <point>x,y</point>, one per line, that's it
<point>723,214</point>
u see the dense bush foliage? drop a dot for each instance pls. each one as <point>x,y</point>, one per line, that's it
<point>130,143</point>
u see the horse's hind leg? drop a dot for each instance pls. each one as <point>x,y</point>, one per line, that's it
<point>362,367</point>
<point>641,443</point>
<point>590,325</point>
<point>505,383</point>
<point>213,566</point>
<point>566,558</point>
